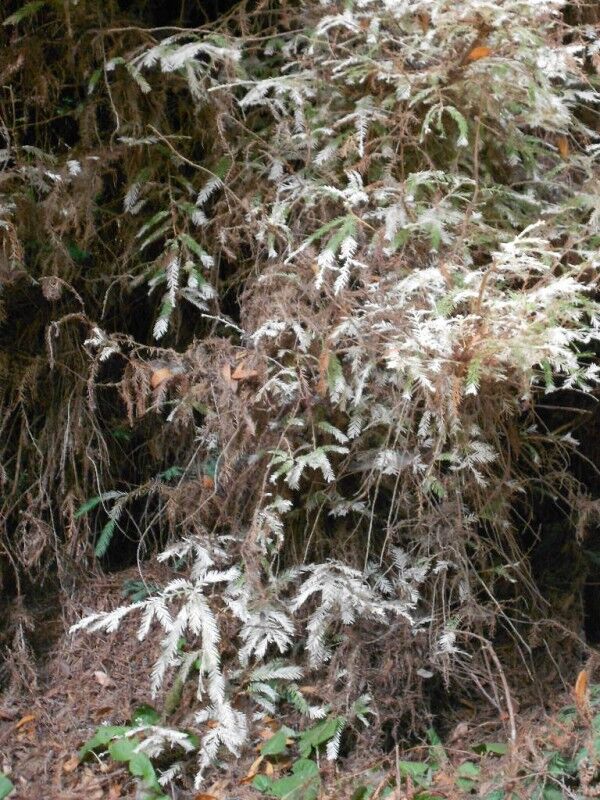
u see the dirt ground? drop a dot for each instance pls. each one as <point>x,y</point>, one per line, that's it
<point>62,687</point>
<point>52,706</point>
<point>78,682</point>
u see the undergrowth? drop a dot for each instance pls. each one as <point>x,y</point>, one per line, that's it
<point>555,758</point>
<point>301,278</point>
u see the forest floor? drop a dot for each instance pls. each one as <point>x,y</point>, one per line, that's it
<point>59,695</point>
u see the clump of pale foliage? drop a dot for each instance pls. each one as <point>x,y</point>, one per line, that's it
<point>406,192</point>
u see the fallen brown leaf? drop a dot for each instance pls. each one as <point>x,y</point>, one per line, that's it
<point>581,688</point>
<point>253,771</point>
<point>24,720</point>
<point>424,21</point>
<point>243,373</point>
<point>563,147</point>
<point>207,482</point>
<point>478,53</point>
<point>160,376</point>
<point>71,764</point>
<point>226,375</point>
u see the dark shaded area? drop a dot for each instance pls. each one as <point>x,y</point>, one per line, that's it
<point>565,559</point>
<point>54,111</point>
<point>586,467</point>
